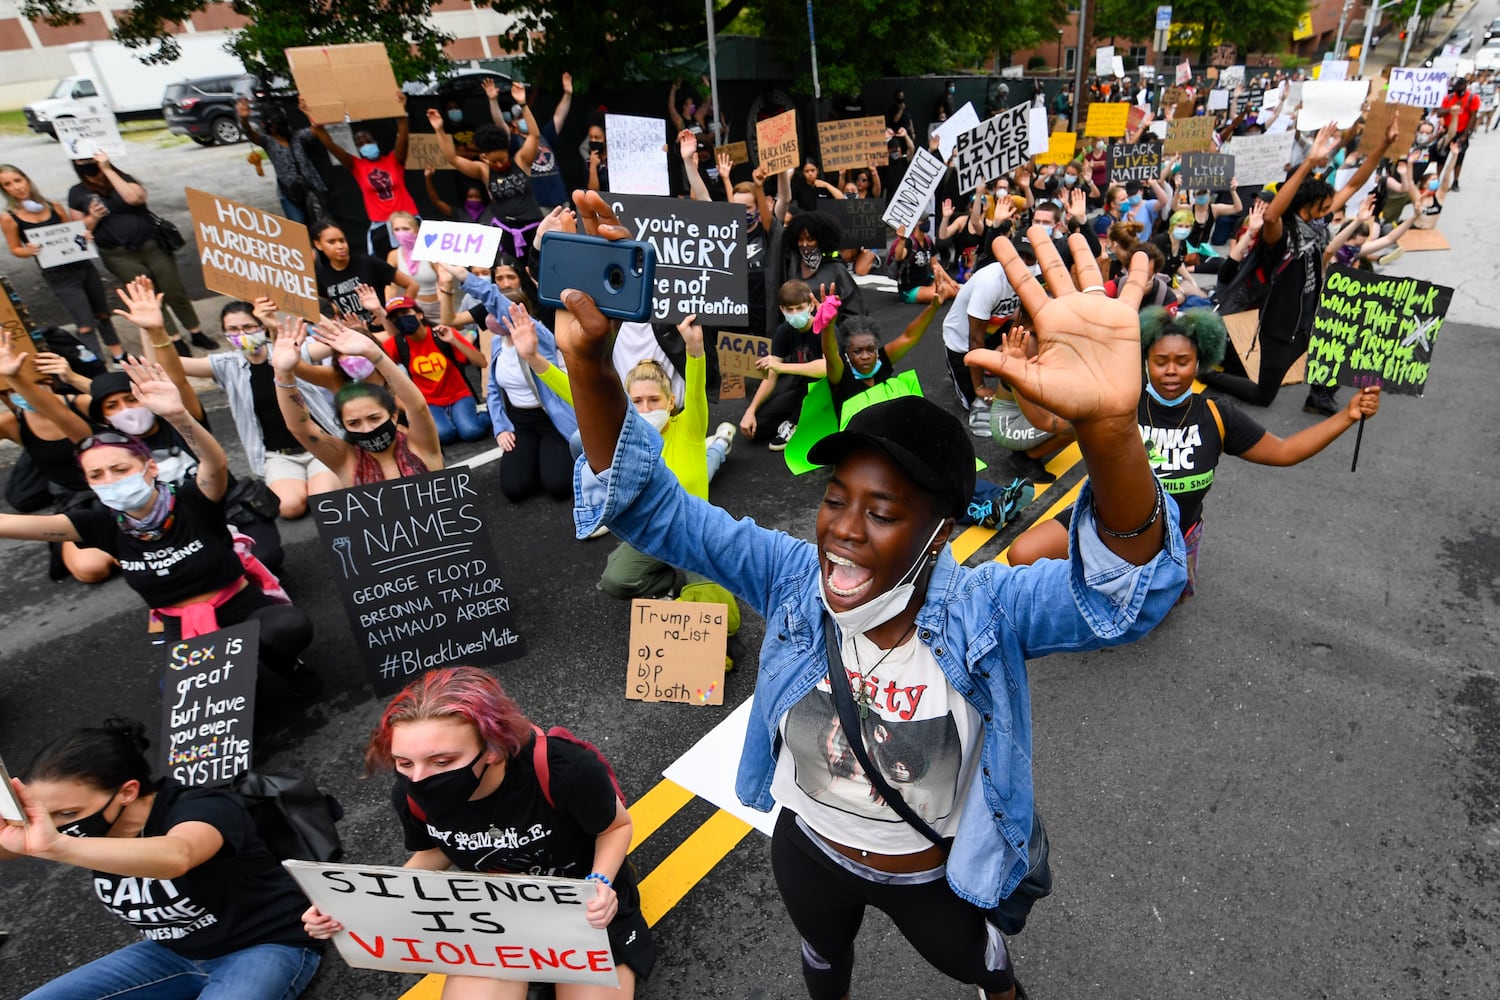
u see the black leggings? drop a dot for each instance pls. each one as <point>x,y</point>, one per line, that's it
<point>827,904</point>
<point>285,631</point>
<point>541,459</point>
<point>1276,359</point>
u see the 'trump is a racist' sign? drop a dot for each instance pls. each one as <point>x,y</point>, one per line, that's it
<point>208,705</point>
<point>1372,328</point>
<point>701,267</point>
<point>529,928</point>
<point>994,147</point>
<point>418,574</point>
<point>248,253</point>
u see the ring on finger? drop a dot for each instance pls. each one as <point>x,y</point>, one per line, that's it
<point>1093,288</point>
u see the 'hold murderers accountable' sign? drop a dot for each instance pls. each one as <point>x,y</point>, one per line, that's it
<point>208,705</point>
<point>420,582</point>
<point>521,927</point>
<point>1374,325</point>
<point>701,267</point>
<point>247,253</point>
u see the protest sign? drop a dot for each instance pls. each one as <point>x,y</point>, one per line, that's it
<point>1117,65</point>
<point>1134,161</point>
<point>1378,122</point>
<point>247,253</point>
<point>912,196</point>
<point>1158,128</point>
<point>1036,132</point>
<point>84,135</point>
<point>739,152</point>
<point>208,705</point>
<point>776,143</point>
<point>1333,69</point>
<point>1184,72</point>
<point>637,154</point>
<point>462,244</point>
<point>962,120</point>
<point>1422,88</point>
<point>1446,64</point>
<point>423,152</point>
<point>353,82</point>
<point>1340,102</point>
<point>532,928</point>
<point>16,321</point>
<point>417,573</point>
<point>677,651</point>
<point>1147,71</point>
<point>1218,100</point>
<point>1177,102</point>
<point>738,353</point>
<point>1261,159</point>
<point>992,148</point>
<point>1061,148</point>
<point>1242,328</point>
<point>1207,171</point>
<point>1104,60</point>
<point>731,387</point>
<point>11,810</point>
<point>850,143</point>
<point>1106,121</point>
<point>1375,329</point>
<point>1190,135</point>
<point>1134,119</point>
<point>1231,77</point>
<point>860,220</point>
<point>701,266</point>
<point>62,244</point>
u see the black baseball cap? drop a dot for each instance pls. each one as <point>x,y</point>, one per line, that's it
<point>104,386</point>
<point>925,441</point>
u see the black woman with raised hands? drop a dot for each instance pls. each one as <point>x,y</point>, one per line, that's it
<point>876,605</point>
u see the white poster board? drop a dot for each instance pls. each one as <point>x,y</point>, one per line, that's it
<point>462,244</point>
<point>637,154</point>
<point>1423,88</point>
<point>1104,60</point>
<point>527,928</point>
<point>1260,159</point>
<point>1323,101</point>
<point>914,193</point>
<point>994,147</point>
<point>959,122</point>
<point>84,135</point>
<point>1038,138</point>
<point>1334,70</point>
<point>62,244</point>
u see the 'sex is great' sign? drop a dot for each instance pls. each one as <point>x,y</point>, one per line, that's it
<point>208,705</point>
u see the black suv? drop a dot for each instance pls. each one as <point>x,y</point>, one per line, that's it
<point>204,109</point>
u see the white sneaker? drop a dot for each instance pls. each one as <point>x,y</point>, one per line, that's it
<point>979,418</point>
<point>725,432</point>
<point>783,436</point>
<point>600,531</point>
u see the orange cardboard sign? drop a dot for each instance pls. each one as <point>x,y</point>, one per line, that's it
<point>346,82</point>
<point>851,143</point>
<point>677,652</point>
<point>247,253</point>
<point>776,141</point>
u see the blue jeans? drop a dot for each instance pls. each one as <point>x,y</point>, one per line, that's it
<point>148,971</point>
<point>291,209</point>
<point>461,420</point>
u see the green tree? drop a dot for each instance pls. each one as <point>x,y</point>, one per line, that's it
<point>416,49</point>
<point>1251,25</point>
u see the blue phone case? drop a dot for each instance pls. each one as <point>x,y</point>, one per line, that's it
<point>619,274</point>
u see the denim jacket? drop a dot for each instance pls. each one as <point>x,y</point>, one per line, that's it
<point>558,410</point>
<point>981,625</point>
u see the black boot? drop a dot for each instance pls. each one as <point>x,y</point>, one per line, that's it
<point>1321,399</point>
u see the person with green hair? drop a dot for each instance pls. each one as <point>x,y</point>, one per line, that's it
<point>1186,433</point>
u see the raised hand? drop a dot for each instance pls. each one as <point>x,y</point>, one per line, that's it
<point>561,219</point>
<point>435,117</point>
<point>567,83</point>
<point>491,90</point>
<point>142,304</point>
<point>828,310</point>
<point>154,388</point>
<point>692,335</point>
<point>580,327</point>
<point>341,339</point>
<point>687,146</point>
<point>724,163</point>
<point>518,92</point>
<point>288,349</point>
<point>1088,360</point>
<point>11,359</point>
<point>522,331</point>
<point>369,299</point>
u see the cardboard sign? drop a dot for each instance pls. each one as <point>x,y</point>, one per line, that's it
<point>1061,148</point>
<point>637,154</point>
<point>738,152</point>
<point>11,811</point>
<point>84,135</point>
<point>521,927</point>
<point>731,387</point>
<point>1422,88</point>
<point>417,572</point>
<point>738,353</point>
<point>860,219</point>
<point>850,144</point>
<point>1104,60</point>
<point>677,651</point>
<point>1340,102</point>
<point>701,265</point>
<point>993,148</point>
<point>1261,159</point>
<point>1374,329</point>
<point>1190,135</point>
<point>1242,329</point>
<point>1177,102</point>
<point>62,244</point>
<point>1207,171</point>
<point>463,244</point>
<point>1184,72</point>
<point>346,82</point>
<point>963,120</point>
<point>912,196</point>
<point>247,253</point>
<point>776,142</point>
<point>1134,161</point>
<point>208,705</point>
<point>1106,121</point>
<point>424,153</point>
<point>16,321</point>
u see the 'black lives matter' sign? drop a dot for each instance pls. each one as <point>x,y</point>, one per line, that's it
<point>413,561</point>
<point>1134,161</point>
<point>701,266</point>
<point>860,219</point>
<point>1371,329</point>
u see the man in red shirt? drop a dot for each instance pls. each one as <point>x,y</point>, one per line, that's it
<point>432,355</point>
<point>381,176</point>
<point>1459,112</point>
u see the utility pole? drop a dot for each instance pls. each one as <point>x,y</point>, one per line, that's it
<point>1080,60</point>
<point>1339,45</point>
<point>1411,29</point>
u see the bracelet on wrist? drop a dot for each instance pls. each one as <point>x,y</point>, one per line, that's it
<point>1155,513</point>
<point>163,345</point>
<point>283,385</point>
<point>596,877</point>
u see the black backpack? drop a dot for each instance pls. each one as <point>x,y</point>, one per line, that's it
<point>293,817</point>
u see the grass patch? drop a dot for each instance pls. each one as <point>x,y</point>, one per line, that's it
<point>13,123</point>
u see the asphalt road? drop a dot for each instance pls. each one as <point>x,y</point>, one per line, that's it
<point>1291,787</point>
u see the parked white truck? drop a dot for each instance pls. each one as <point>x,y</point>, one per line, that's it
<point>109,78</point>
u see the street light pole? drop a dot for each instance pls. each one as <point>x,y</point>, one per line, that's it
<point>1084,37</point>
<point>1339,45</point>
<point>1058,71</point>
<point>1411,29</point>
<point>1372,16</point>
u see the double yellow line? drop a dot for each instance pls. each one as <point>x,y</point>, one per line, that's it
<point>976,537</point>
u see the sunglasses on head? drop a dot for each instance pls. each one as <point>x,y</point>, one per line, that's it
<point>107,438</point>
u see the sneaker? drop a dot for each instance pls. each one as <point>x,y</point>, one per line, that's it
<point>725,432</point>
<point>1023,466</point>
<point>182,347</point>
<point>783,435</point>
<point>600,531</point>
<point>1454,185</point>
<point>979,418</point>
<point>1391,256</point>
<point>203,340</point>
<point>1321,399</point>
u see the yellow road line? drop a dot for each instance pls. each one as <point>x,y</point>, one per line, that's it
<point>1057,508</point>
<point>668,882</point>
<point>976,537</point>
<point>655,808</point>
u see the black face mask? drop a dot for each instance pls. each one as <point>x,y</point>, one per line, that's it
<point>439,792</point>
<point>596,147</point>
<point>95,824</point>
<point>375,441</point>
<point>407,325</point>
<point>86,169</point>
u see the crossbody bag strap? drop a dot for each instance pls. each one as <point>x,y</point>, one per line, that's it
<point>843,699</point>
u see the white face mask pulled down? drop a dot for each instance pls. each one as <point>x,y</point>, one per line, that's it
<point>883,607</point>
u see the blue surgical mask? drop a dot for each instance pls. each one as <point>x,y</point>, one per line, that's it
<point>1435,183</point>
<point>1132,201</point>
<point>455,115</point>
<point>1180,233</point>
<point>864,375</point>
<point>32,205</point>
<point>21,402</point>
<point>369,151</point>
<point>130,493</point>
<point>1201,199</point>
<point>521,126</point>
<point>799,319</point>
<point>1164,401</point>
<point>1070,180</point>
